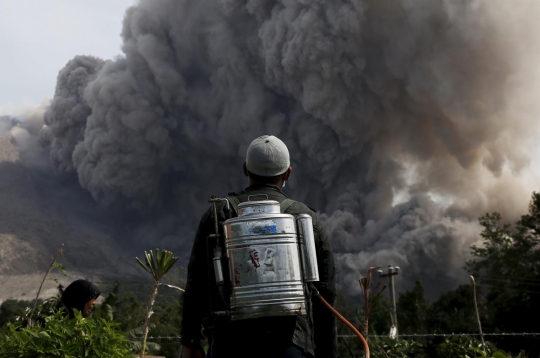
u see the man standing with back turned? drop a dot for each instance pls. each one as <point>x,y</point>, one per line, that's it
<point>298,336</point>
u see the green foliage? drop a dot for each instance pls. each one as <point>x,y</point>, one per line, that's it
<point>403,348</point>
<point>105,310</point>
<point>61,268</point>
<point>412,309</point>
<point>166,322</point>
<point>379,320</point>
<point>453,312</point>
<point>128,311</point>
<point>467,347</point>
<point>136,341</point>
<point>63,337</point>
<point>508,264</point>
<point>10,310</point>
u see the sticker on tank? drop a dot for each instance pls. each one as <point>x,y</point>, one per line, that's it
<point>261,227</point>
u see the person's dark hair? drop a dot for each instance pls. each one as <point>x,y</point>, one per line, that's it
<point>76,295</point>
<point>266,180</point>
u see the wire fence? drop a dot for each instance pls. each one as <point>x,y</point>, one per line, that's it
<point>419,335</point>
<point>415,335</point>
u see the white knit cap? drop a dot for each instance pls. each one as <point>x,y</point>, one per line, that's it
<point>267,156</point>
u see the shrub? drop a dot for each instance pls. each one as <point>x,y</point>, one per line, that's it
<point>63,337</point>
<point>403,348</point>
<point>467,346</point>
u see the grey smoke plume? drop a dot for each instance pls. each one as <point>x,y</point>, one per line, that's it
<point>66,116</point>
<point>406,120</point>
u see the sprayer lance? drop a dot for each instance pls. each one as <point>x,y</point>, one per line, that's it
<point>218,256</point>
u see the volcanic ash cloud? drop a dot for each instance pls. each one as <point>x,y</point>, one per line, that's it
<point>405,120</point>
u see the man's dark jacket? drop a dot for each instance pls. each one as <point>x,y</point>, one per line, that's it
<point>315,333</point>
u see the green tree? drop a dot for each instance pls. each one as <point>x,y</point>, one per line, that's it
<point>412,309</point>
<point>508,264</point>
<point>128,311</point>
<point>453,312</point>
<point>166,321</point>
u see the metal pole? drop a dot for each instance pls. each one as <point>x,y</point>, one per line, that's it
<point>393,301</point>
<point>392,271</point>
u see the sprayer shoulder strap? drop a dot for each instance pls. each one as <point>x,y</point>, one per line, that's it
<point>283,206</point>
<point>233,201</point>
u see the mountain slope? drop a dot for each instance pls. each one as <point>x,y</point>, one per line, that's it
<point>37,217</point>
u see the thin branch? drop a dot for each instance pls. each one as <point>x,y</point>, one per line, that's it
<point>59,252</point>
<point>148,313</point>
<point>478,316</point>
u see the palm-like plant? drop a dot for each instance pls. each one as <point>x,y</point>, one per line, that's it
<point>157,265</point>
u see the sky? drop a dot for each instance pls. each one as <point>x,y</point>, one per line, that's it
<point>38,38</point>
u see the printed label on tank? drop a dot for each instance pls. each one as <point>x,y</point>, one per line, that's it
<point>262,230</point>
<point>265,227</point>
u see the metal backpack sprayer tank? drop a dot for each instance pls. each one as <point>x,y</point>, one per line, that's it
<point>271,256</point>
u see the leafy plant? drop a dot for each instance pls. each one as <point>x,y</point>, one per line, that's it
<point>403,348</point>
<point>63,337</point>
<point>467,347</point>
